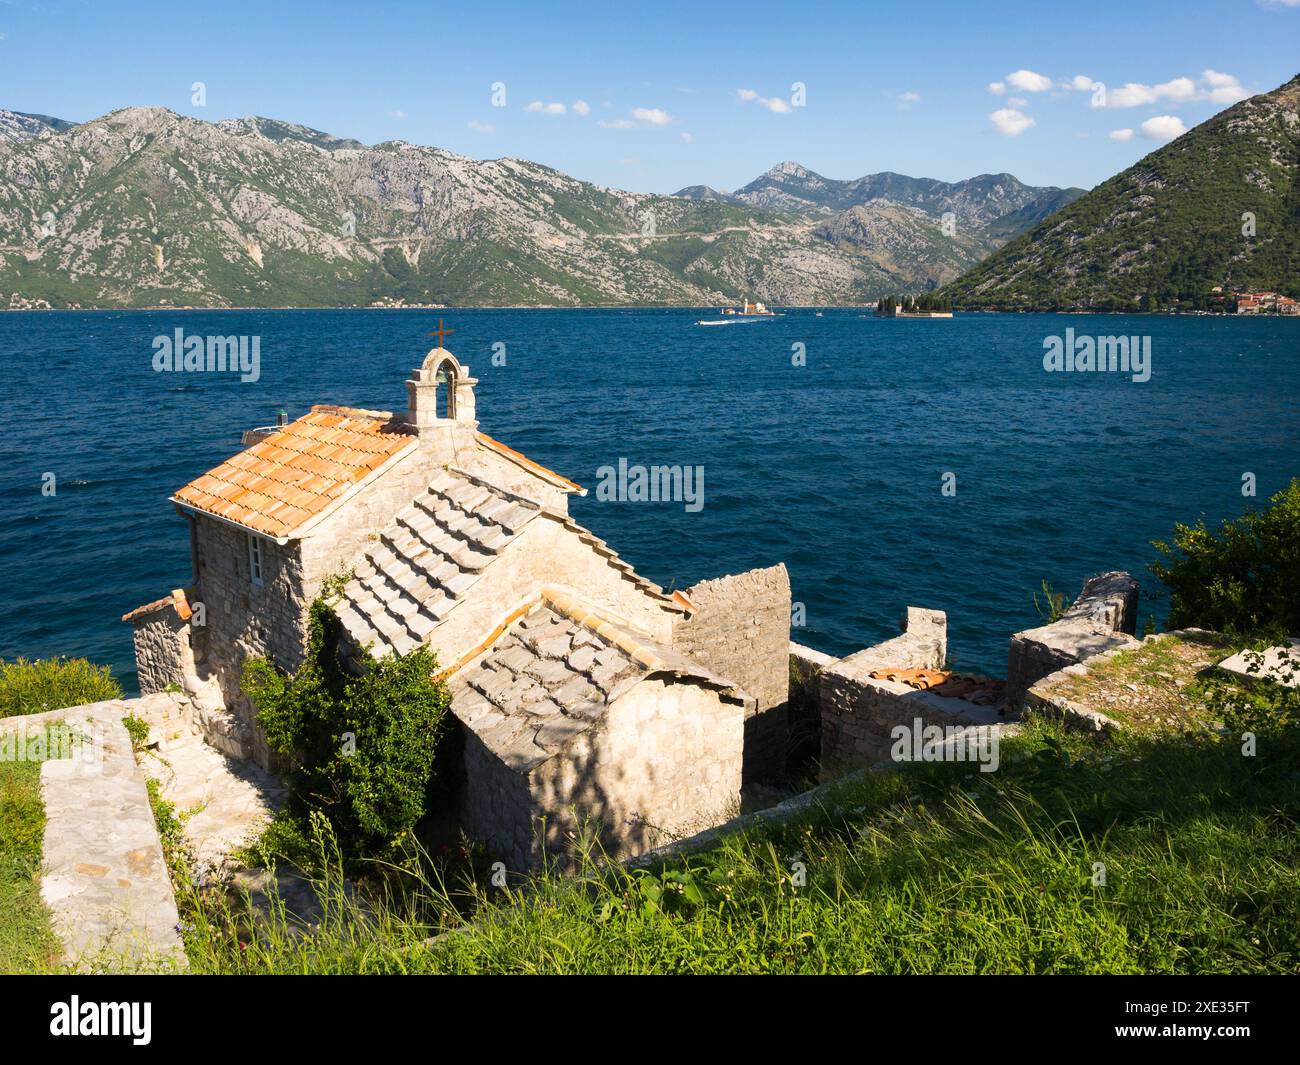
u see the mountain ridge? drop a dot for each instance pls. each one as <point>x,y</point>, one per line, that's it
<point>1218,207</point>
<point>146,207</point>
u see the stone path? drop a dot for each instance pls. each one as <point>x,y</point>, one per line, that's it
<point>224,802</point>
<point>103,879</point>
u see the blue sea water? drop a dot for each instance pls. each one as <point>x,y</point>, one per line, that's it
<point>834,467</point>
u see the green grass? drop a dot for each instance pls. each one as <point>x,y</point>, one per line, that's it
<point>27,943</point>
<point>32,687</point>
<point>936,868</point>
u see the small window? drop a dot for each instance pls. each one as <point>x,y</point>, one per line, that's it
<point>255,559</point>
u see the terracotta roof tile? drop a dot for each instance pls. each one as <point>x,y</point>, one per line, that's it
<point>292,476</point>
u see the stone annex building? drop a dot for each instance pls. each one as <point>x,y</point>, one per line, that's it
<point>585,692</point>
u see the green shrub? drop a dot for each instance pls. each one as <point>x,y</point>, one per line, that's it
<point>1243,580</point>
<point>1052,606</point>
<point>361,750</point>
<point>138,729</point>
<point>32,687</point>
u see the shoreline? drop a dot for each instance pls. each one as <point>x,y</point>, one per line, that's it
<point>624,307</point>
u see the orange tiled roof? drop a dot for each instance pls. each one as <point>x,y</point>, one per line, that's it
<point>293,476</point>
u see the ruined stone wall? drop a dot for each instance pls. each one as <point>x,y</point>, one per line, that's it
<point>857,712</point>
<point>863,713</point>
<point>805,715</point>
<point>159,652</point>
<point>741,631</point>
<point>1101,619</point>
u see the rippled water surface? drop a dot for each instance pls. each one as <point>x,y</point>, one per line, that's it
<point>835,467</point>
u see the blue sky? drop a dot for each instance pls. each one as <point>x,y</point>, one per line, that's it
<point>675,94</point>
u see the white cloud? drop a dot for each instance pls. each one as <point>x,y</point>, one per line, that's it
<point>1224,88</point>
<point>1081,83</point>
<point>1028,81</point>
<point>1135,94</point>
<point>1010,122</point>
<point>537,107</point>
<point>481,127</point>
<point>652,116</point>
<point>773,103</point>
<point>1121,134</point>
<point>687,138</point>
<point>396,114</point>
<point>581,107</point>
<point>997,88</point>
<point>1215,87</point>
<point>616,123</point>
<point>1163,128</point>
<point>907,99</point>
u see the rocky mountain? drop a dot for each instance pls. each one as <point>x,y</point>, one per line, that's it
<point>891,222</point>
<point>899,240</point>
<point>144,207</point>
<point>977,202</point>
<point>1218,207</point>
<point>17,126</point>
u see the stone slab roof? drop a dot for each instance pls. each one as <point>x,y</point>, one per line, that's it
<point>433,554</point>
<point>293,477</point>
<point>552,674</point>
<point>428,559</point>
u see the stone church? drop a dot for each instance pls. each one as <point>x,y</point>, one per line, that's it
<point>589,697</point>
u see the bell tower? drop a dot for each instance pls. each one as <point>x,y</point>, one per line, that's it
<point>440,397</point>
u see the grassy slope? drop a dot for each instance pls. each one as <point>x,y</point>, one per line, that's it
<point>27,943</point>
<point>936,868</point>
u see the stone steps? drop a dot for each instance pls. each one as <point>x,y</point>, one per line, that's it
<point>103,878</point>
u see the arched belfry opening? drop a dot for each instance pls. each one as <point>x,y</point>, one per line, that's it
<point>446,372</point>
<point>440,392</point>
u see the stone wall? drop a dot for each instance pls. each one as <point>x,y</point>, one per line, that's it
<point>1101,619</point>
<point>665,762</point>
<point>548,552</point>
<point>496,807</point>
<point>161,646</point>
<point>805,715</point>
<point>741,631</point>
<point>858,712</point>
<point>243,620</point>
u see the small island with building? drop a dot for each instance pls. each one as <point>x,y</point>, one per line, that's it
<point>927,305</point>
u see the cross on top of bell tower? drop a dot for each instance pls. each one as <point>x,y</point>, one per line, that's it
<point>441,333</point>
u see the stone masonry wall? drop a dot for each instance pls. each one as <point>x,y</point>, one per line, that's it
<point>159,657</point>
<point>245,620</point>
<point>664,763</point>
<point>742,632</point>
<point>1101,619</point>
<point>867,711</point>
<point>857,712</point>
<point>496,806</point>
